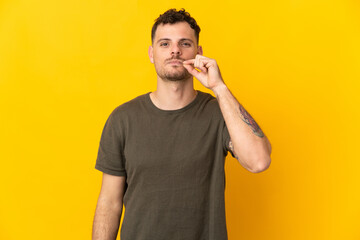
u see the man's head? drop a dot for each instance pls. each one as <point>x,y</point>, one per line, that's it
<point>175,37</point>
<point>172,16</point>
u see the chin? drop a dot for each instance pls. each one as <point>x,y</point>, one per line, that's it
<point>175,76</point>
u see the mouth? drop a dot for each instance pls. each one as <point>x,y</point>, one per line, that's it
<point>175,62</point>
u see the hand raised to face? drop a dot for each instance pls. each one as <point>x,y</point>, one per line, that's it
<point>209,74</point>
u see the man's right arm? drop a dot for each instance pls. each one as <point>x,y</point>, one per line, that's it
<point>109,208</point>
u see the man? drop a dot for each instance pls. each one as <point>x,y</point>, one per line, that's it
<point>162,154</point>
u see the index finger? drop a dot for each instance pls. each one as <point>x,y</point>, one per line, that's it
<point>190,61</point>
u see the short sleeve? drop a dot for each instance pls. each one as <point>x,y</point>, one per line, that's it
<point>226,140</point>
<point>110,158</point>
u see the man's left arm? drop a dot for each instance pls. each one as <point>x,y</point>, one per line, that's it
<point>247,141</point>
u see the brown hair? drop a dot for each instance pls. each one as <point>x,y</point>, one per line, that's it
<point>172,16</point>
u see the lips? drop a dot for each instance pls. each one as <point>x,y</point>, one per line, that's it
<point>177,62</point>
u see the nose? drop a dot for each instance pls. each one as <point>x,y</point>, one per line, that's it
<point>175,50</point>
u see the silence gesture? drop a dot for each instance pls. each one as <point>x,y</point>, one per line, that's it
<point>209,74</point>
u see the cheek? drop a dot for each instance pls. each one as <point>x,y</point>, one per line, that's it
<point>158,57</point>
<point>190,53</point>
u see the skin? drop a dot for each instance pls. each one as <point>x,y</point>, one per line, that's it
<point>109,208</point>
<point>173,42</point>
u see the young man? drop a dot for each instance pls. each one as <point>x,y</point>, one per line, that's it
<point>162,154</point>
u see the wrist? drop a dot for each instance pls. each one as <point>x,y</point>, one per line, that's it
<point>219,89</point>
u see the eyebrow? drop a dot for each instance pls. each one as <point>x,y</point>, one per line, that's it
<point>168,39</point>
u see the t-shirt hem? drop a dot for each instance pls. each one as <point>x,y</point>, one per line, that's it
<point>111,172</point>
<point>227,146</point>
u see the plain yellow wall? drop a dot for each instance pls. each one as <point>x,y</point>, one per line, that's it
<point>294,65</point>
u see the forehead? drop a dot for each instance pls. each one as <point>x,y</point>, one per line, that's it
<point>175,31</point>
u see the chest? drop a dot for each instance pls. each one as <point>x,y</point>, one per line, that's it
<point>176,143</point>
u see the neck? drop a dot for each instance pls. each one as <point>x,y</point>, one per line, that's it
<point>173,95</point>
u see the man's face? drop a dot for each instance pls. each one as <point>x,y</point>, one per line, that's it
<point>173,44</point>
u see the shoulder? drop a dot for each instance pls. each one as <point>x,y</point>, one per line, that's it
<point>209,102</point>
<point>129,107</point>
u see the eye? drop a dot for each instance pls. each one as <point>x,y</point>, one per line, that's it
<point>164,44</point>
<point>186,44</point>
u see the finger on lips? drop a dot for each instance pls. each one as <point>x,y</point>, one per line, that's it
<point>199,62</point>
<point>190,61</point>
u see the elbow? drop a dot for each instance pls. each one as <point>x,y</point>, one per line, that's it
<point>262,165</point>
<point>263,160</point>
<point>257,161</point>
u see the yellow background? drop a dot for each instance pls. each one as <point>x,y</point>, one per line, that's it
<point>294,65</point>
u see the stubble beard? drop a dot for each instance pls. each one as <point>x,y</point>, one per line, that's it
<point>178,74</point>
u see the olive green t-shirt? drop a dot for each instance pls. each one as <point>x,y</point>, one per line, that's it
<point>173,161</point>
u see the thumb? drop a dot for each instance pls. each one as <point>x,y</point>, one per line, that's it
<point>192,70</point>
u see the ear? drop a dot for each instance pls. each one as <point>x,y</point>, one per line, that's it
<point>151,54</point>
<point>200,51</point>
